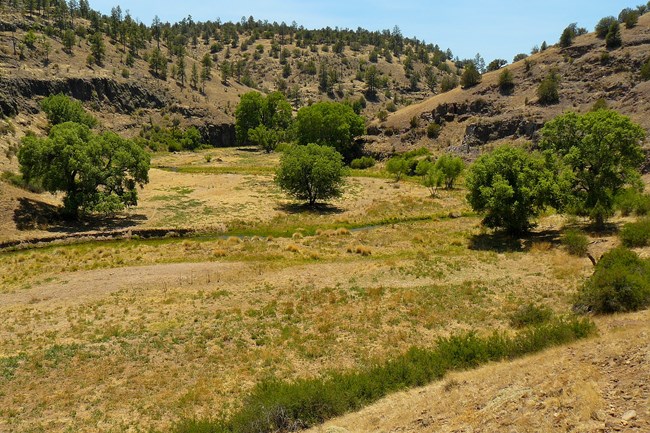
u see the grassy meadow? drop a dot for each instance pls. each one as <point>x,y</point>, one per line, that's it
<point>135,334</point>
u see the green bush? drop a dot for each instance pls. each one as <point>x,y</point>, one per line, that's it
<point>603,26</point>
<point>645,71</point>
<point>277,406</point>
<point>506,81</point>
<point>631,201</point>
<point>362,163</point>
<point>433,130</point>
<point>548,90</point>
<point>529,315</point>
<point>636,234</point>
<point>621,282</point>
<point>60,109</point>
<point>575,242</point>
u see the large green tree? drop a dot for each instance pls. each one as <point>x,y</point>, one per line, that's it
<point>511,186</point>
<point>97,173</point>
<point>601,153</point>
<point>60,109</point>
<point>254,109</point>
<point>333,124</point>
<point>311,173</point>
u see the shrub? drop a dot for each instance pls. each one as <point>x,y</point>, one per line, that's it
<point>471,76</point>
<point>548,90</point>
<point>398,166</point>
<point>621,282</point>
<point>645,71</point>
<point>506,81</point>
<point>451,168</point>
<point>60,109</point>
<point>363,162</point>
<point>448,82</point>
<point>602,28</point>
<point>433,130</point>
<point>530,314</point>
<point>636,234</point>
<point>631,201</point>
<point>613,38</point>
<point>575,242</point>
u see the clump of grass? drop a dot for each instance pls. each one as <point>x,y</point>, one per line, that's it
<point>233,240</point>
<point>293,248</point>
<point>297,235</point>
<point>621,282</point>
<point>276,405</point>
<point>530,314</point>
<point>359,249</point>
<point>219,252</point>
<point>575,242</point>
<point>342,231</point>
<point>636,234</point>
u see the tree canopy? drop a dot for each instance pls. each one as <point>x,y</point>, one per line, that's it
<point>60,109</point>
<point>97,173</point>
<point>511,186</point>
<point>332,124</point>
<point>601,152</point>
<point>311,173</point>
<point>254,109</point>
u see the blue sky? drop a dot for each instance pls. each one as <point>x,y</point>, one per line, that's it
<point>496,29</point>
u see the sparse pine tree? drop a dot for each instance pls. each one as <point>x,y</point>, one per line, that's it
<point>613,38</point>
<point>194,78</point>
<point>180,69</point>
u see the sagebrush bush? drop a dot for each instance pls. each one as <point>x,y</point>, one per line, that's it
<point>621,282</point>
<point>575,242</point>
<point>530,314</point>
<point>433,130</point>
<point>636,234</point>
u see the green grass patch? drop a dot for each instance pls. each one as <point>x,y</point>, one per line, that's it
<point>288,406</point>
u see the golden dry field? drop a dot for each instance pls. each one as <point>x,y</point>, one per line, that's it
<point>133,334</point>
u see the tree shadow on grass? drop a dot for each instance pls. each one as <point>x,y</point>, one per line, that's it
<point>37,215</point>
<point>318,208</point>
<point>501,242</point>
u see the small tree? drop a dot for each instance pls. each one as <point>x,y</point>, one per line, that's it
<point>601,153</point>
<point>548,90</point>
<point>506,81</point>
<point>613,38</point>
<point>602,28</point>
<point>511,187</point>
<point>97,48</point>
<point>96,173</point>
<point>266,139</point>
<point>311,173</point>
<point>471,76</point>
<point>398,166</point>
<point>451,168</point>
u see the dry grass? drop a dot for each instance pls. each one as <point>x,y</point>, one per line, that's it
<point>142,332</point>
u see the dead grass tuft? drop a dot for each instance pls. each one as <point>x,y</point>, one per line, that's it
<point>293,248</point>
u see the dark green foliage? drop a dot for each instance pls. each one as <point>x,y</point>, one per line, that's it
<point>273,112</point>
<point>601,154</point>
<point>448,82</point>
<point>506,81</point>
<point>548,91</point>
<point>510,186</point>
<point>613,38</point>
<point>471,76</point>
<point>311,172</point>
<point>621,282</point>
<point>97,48</point>
<point>60,109</point>
<point>276,406</point>
<point>173,139</point>
<point>332,124</point>
<point>266,139</point>
<point>636,234</point>
<point>570,33</point>
<point>575,242</point>
<point>519,57</point>
<point>433,130</point>
<point>629,17</point>
<point>530,315</point>
<point>603,26</point>
<point>363,163</point>
<point>496,64</point>
<point>97,173</point>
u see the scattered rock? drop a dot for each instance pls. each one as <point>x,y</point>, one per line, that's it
<point>629,415</point>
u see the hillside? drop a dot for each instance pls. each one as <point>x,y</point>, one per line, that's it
<point>126,89</point>
<point>482,114</point>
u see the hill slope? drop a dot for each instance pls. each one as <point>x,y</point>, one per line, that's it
<point>482,114</point>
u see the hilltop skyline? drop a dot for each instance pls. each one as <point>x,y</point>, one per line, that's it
<point>495,29</point>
